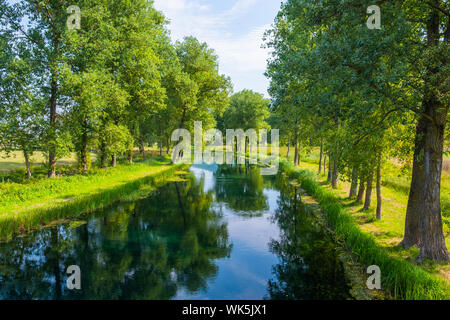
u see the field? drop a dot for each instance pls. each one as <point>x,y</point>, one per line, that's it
<point>15,160</point>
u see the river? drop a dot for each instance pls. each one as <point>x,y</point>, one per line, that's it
<point>217,232</point>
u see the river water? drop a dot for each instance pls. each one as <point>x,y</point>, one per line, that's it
<point>218,232</point>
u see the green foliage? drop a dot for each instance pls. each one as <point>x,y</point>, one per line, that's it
<point>247,110</point>
<point>117,139</point>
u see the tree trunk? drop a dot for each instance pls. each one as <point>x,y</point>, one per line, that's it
<point>181,126</point>
<point>329,169</point>
<point>83,161</point>
<point>52,147</point>
<point>296,150</point>
<point>143,150</point>
<point>368,192</point>
<point>325,163</point>
<point>130,155</point>
<point>289,149</point>
<point>113,161</point>
<point>379,199</point>
<point>423,225</point>
<point>103,155</point>
<point>27,163</point>
<point>354,185</point>
<point>321,155</point>
<point>362,188</point>
<point>141,147</point>
<point>335,174</point>
<point>83,153</point>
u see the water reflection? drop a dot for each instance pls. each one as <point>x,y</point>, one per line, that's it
<point>143,250</point>
<point>218,233</point>
<point>242,189</point>
<point>309,268</point>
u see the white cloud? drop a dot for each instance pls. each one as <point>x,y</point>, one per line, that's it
<point>240,54</point>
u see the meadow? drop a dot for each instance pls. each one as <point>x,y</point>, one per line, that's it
<point>15,160</point>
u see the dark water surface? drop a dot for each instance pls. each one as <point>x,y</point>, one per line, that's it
<point>220,233</point>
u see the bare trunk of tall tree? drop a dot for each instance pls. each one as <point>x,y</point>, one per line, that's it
<point>103,155</point>
<point>113,161</point>
<point>354,185</point>
<point>27,163</point>
<point>130,155</point>
<point>181,126</point>
<point>379,199</point>
<point>362,188</point>
<point>369,188</point>
<point>141,147</point>
<point>83,152</point>
<point>143,150</point>
<point>321,155</point>
<point>330,170</point>
<point>423,225</point>
<point>335,174</point>
<point>289,149</point>
<point>83,161</point>
<point>52,147</point>
<point>296,149</point>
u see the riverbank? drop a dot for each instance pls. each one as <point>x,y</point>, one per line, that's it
<point>354,271</point>
<point>402,278</point>
<point>25,207</point>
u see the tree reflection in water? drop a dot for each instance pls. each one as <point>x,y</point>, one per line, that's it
<point>309,268</point>
<point>172,244</point>
<point>242,189</point>
<point>143,250</point>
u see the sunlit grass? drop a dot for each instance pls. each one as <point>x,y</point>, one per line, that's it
<point>374,242</point>
<point>16,160</point>
<point>388,232</point>
<point>27,206</point>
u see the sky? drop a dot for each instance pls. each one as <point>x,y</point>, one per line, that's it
<point>233,28</point>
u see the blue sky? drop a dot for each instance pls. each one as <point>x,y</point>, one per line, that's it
<point>234,28</point>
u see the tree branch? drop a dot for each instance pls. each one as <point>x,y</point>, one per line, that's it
<point>435,6</point>
<point>376,126</point>
<point>18,27</point>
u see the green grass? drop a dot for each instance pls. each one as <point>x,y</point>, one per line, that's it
<point>16,160</point>
<point>402,278</point>
<point>389,231</point>
<point>24,207</point>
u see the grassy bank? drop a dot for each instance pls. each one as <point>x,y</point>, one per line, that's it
<point>24,207</point>
<point>401,277</point>
<point>388,232</point>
